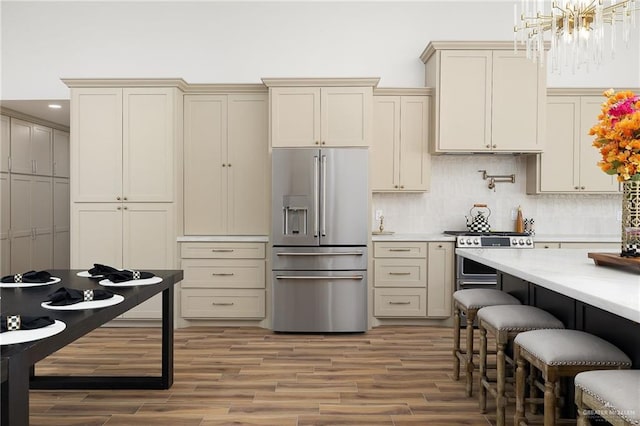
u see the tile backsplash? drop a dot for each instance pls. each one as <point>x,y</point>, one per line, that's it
<point>456,185</point>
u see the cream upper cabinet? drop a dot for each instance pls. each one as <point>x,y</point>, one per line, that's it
<point>124,144</point>
<point>60,153</point>
<point>569,161</point>
<point>476,87</point>
<point>31,148</point>
<point>5,142</point>
<point>310,112</point>
<point>399,150</point>
<point>227,167</point>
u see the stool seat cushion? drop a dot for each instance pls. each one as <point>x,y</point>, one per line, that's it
<point>476,298</point>
<point>571,347</point>
<point>518,318</point>
<point>618,390</point>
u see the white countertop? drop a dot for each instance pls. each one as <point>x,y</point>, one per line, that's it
<point>569,272</point>
<point>223,238</point>
<point>573,238</point>
<point>412,237</point>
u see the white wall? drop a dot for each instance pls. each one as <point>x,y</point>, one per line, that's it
<point>240,42</point>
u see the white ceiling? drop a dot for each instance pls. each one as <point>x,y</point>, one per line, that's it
<point>40,109</point>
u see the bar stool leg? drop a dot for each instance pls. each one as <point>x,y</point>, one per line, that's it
<point>581,419</point>
<point>533,390</point>
<point>550,399</point>
<point>456,342</point>
<point>483,369</point>
<point>500,397</point>
<point>471,315</point>
<point>520,378</point>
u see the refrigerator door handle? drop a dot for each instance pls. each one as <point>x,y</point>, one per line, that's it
<point>323,220</point>
<point>315,195</point>
<point>319,277</point>
<point>344,253</point>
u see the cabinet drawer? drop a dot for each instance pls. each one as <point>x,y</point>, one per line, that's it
<point>221,273</point>
<point>384,249</point>
<point>222,250</point>
<point>400,272</point>
<point>222,303</point>
<point>546,245</point>
<point>400,302</point>
<point>604,246</point>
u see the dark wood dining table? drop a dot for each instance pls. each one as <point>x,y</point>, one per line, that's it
<point>17,361</point>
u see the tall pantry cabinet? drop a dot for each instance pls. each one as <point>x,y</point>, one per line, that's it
<point>126,173</point>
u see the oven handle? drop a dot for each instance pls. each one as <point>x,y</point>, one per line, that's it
<point>319,277</point>
<point>478,282</point>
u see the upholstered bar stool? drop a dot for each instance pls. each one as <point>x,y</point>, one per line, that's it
<point>557,354</point>
<point>468,302</point>
<point>505,322</point>
<point>613,395</point>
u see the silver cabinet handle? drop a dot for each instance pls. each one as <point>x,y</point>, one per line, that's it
<point>399,249</point>
<point>399,273</point>
<point>323,218</point>
<point>316,189</point>
<point>342,253</point>
<point>222,250</point>
<point>222,303</point>
<point>222,274</point>
<point>399,303</point>
<point>318,277</point>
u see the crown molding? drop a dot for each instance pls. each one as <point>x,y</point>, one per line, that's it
<point>30,118</point>
<point>125,82</point>
<point>582,91</point>
<point>335,82</point>
<point>434,46</point>
<point>403,91</point>
<point>210,89</point>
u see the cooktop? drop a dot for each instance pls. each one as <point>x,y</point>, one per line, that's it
<point>486,234</point>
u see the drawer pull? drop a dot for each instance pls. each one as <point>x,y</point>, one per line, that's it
<point>399,249</point>
<point>222,303</point>
<point>319,277</point>
<point>222,250</point>
<point>222,274</point>
<point>399,303</point>
<point>344,253</point>
<point>399,273</point>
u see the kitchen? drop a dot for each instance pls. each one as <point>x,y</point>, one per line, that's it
<point>412,26</point>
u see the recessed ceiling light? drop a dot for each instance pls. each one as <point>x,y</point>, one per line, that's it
<point>55,106</point>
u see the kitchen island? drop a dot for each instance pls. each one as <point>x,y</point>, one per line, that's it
<point>601,300</point>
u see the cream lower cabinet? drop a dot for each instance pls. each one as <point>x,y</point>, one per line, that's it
<point>137,236</point>
<point>488,79</point>
<point>61,225</point>
<point>569,161</point>
<point>31,219</point>
<point>5,211</point>
<point>413,279</point>
<point>227,168</point>
<point>399,157</point>
<point>223,280</point>
<point>578,245</point>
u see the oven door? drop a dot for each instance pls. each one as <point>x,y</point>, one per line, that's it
<point>471,274</point>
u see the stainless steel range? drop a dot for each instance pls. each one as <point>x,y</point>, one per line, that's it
<point>470,274</point>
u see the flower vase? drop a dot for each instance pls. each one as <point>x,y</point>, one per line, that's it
<point>631,219</point>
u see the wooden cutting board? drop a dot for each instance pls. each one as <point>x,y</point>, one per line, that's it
<point>614,259</point>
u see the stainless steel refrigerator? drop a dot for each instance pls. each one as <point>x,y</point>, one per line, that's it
<point>319,233</point>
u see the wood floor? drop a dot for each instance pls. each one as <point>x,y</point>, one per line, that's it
<point>251,376</point>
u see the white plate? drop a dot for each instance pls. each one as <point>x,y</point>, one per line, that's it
<point>146,281</point>
<point>21,336</point>
<point>20,285</point>
<point>93,304</point>
<point>86,274</point>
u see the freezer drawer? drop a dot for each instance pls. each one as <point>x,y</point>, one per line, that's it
<point>320,301</point>
<point>319,258</point>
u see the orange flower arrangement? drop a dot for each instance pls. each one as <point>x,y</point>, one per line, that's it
<point>618,135</point>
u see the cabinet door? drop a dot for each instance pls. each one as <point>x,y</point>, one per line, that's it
<point>346,116</point>
<point>465,100</point>
<point>5,142</point>
<point>559,164</point>
<point>385,141</point>
<point>61,217</point>
<point>592,178</point>
<point>5,257</point>
<point>5,211</point>
<point>295,116</point>
<point>60,154</point>
<point>96,235</point>
<point>415,161</point>
<point>148,144</point>
<point>205,171</point>
<point>96,140</point>
<point>248,168</point>
<point>20,219</point>
<point>21,133</point>
<point>440,279</point>
<point>517,110</point>
<point>42,150</point>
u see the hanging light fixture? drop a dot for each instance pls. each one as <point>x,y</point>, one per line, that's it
<point>577,29</point>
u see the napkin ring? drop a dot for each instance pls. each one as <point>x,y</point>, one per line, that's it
<point>17,278</point>
<point>136,275</point>
<point>13,322</point>
<point>88,295</point>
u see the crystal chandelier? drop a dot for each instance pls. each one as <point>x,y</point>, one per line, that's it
<point>576,27</point>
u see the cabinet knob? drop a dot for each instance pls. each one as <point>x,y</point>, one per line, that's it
<point>439,245</point>
<point>582,187</point>
<point>125,198</point>
<point>395,186</point>
<point>224,165</point>
<point>323,143</point>
<point>575,187</point>
<point>229,165</point>
<point>488,145</point>
<point>118,198</point>
<point>494,146</point>
<point>118,208</point>
<point>317,143</point>
<point>125,208</point>
<point>401,186</point>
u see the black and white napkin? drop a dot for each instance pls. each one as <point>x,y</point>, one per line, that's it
<point>28,277</point>
<point>127,275</point>
<point>69,296</point>
<point>100,271</point>
<point>23,322</point>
